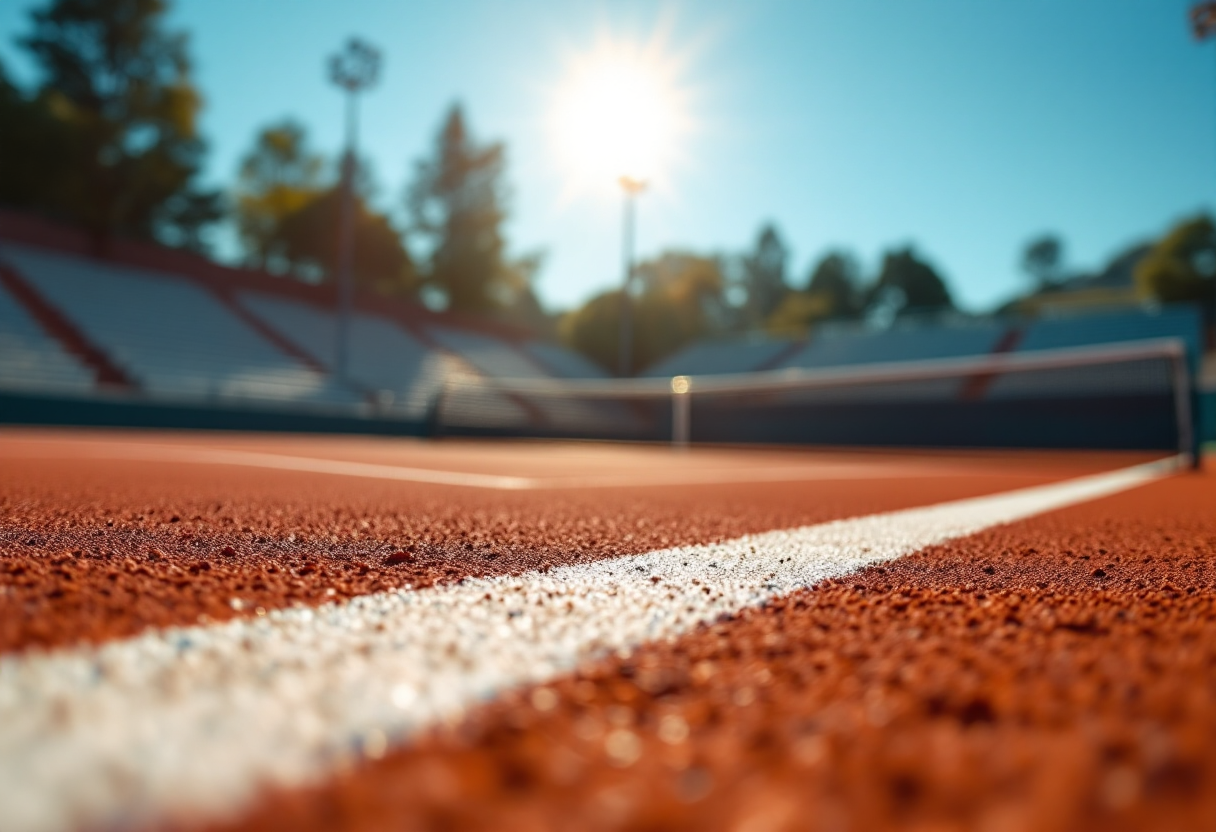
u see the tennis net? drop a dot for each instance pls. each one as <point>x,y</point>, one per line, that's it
<point>1127,395</point>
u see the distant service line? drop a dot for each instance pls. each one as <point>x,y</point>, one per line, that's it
<point>186,454</point>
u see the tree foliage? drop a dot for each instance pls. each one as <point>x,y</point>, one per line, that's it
<point>1043,261</point>
<point>798,312</point>
<point>289,217</point>
<point>516,297</point>
<point>278,177</point>
<point>836,279</point>
<point>457,204</point>
<point>31,133</point>
<point>119,87</point>
<point>833,292</point>
<point>1182,265</point>
<point>681,301</point>
<point>764,275</point>
<point>308,240</point>
<point>907,285</point>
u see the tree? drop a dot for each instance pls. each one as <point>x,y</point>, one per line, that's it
<point>764,275</point>
<point>122,84</point>
<point>908,286</point>
<point>278,177</point>
<point>836,280</point>
<point>516,298</point>
<point>457,203</point>
<point>1043,260</point>
<point>308,242</point>
<point>186,215</point>
<point>832,293</point>
<point>1181,266</point>
<point>32,134</point>
<point>796,315</point>
<point>594,329</point>
<point>681,301</point>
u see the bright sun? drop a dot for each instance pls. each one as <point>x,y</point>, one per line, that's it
<point>618,114</point>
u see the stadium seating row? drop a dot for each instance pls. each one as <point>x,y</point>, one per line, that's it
<point>835,347</point>
<point>29,358</point>
<point>176,339</point>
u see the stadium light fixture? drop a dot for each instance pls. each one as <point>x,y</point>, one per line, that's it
<point>632,187</point>
<point>354,70</point>
<point>1203,20</point>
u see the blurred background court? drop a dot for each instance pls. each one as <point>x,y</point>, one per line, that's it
<point>171,257</point>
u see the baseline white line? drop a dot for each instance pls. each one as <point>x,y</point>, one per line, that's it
<point>500,482</point>
<point>190,723</point>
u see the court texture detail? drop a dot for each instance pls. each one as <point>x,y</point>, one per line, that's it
<point>234,631</point>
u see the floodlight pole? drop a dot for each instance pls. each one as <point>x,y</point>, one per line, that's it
<point>354,69</point>
<point>1203,27</point>
<point>632,188</point>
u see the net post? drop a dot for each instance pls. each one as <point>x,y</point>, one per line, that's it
<point>681,411</point>
<point>434,417</point>
<point>1187,446</point>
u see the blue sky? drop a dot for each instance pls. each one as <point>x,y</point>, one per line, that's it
<point>964,127</point>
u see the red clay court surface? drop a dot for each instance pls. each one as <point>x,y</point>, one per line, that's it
<point>1057,671</point>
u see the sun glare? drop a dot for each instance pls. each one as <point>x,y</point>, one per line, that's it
<point>618,114</point>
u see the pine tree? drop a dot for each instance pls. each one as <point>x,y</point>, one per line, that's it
<point>457,204</point>
<point>764,275</point>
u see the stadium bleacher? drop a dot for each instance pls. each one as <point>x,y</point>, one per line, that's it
<point>909,344</point>
<point>170,335</point>
<point>179,331</point>
<point>498,359</point>
<point>859,345</point>
<point>1184,322</point>
<point>29,358</point>
<point>736,355</point>
<point>491,356</point>
<point>402,373</point>
<point>562,362</point>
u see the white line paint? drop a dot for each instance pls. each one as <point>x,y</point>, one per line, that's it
<point>146,452</point>
<point>190,722</point>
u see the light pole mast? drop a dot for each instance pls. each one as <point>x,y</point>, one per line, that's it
<point>354,69</point>
<point>1203,27</point>
<point>632,188</point>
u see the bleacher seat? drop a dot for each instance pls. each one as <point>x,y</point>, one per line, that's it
<point>743,355</point>
<point>493,357</point>
<point>856,345</point>
<point>498,359</point>
<point>832,348</point>
<point>169,334</point>
<point>1183,322</point>
<point>384,358</point>
<point>862,347</point>
<point>31,359</point>
<point>565,363</point>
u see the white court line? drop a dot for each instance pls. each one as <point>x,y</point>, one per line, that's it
<point>189,723</point>
<point>373,470</point>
